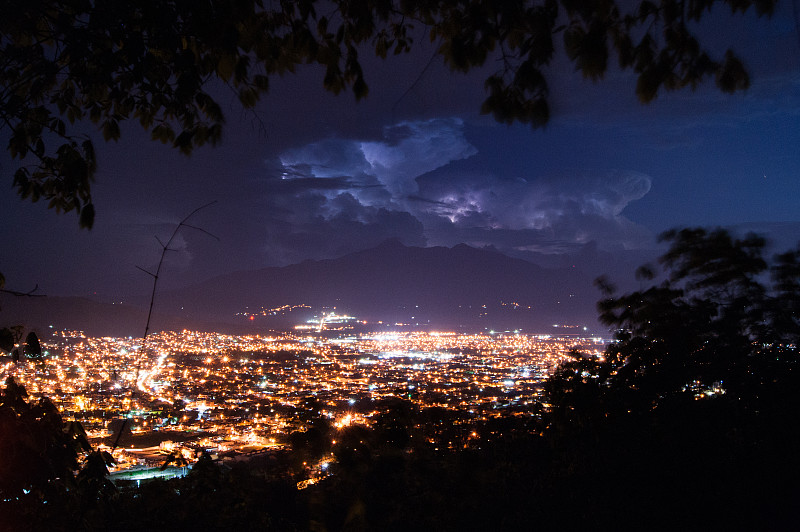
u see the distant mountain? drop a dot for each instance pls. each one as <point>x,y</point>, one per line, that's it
<point>459,289</point>
<point>455,288</point>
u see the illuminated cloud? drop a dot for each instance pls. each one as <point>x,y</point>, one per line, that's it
<point>545,214</point>
<point>392,165</point>
<point>336,195</point>
<point>415,148</point>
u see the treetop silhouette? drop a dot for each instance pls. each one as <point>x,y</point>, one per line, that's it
<point>717,324</point>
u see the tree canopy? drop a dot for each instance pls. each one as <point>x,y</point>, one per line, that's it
<point>65,62</point>
<point>722,322</point>
<point>686,421</point>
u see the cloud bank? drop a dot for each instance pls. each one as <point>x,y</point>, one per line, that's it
<point>334,196</point>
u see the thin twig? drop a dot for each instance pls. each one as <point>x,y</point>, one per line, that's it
<point>164,249</point>
<point>24,294</point>
<point>416,81</point>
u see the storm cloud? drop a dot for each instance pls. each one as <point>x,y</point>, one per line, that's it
<point>338,195</point>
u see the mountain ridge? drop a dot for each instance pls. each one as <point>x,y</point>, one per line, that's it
<point>457,288</point>
<point>384,282</point>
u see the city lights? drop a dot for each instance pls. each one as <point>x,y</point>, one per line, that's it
<point>190,391</point>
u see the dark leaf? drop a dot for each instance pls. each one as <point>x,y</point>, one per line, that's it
<point>87,216</point>
<point>32,348</point>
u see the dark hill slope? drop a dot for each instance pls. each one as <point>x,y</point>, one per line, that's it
<point>443,287</point>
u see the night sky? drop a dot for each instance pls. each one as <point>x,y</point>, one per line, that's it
<point>312,175</point>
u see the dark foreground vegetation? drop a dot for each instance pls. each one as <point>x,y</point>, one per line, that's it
<point>687,423</point>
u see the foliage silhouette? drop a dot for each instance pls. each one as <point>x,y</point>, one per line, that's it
<point>713,323</point>
<point>32,348</point>
<point>697,392</point>
<point>44,484</point>
<point>70,61</point>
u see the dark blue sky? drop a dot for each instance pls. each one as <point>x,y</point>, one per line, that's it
<point>313,175</point>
